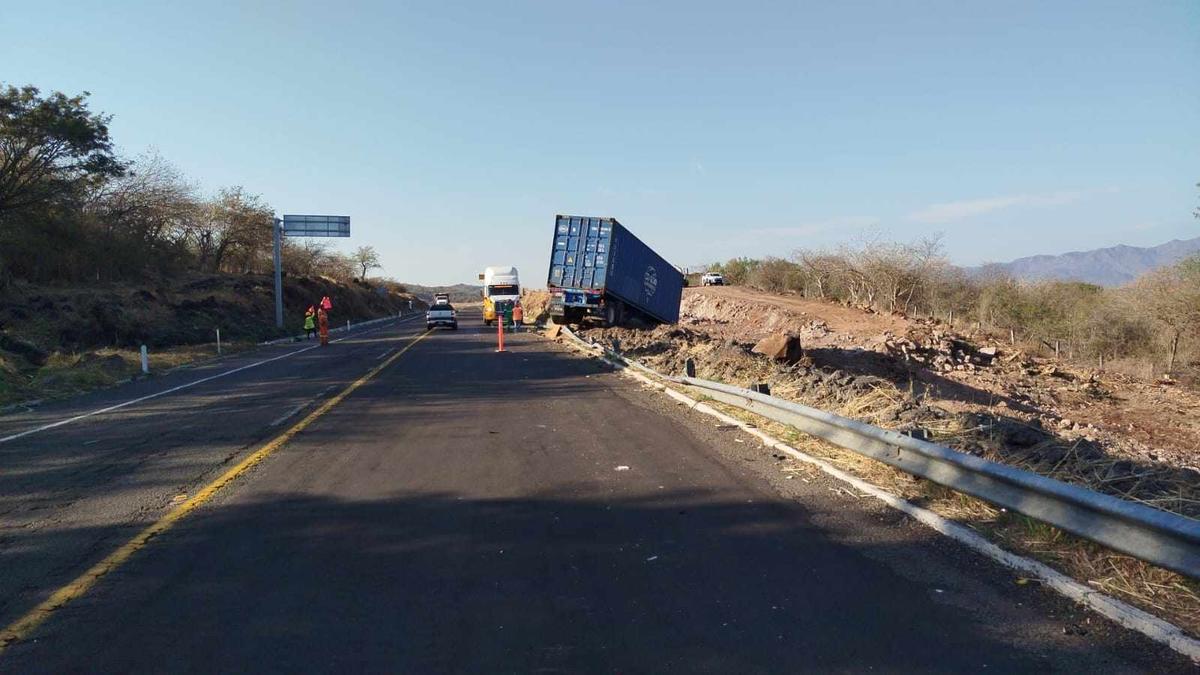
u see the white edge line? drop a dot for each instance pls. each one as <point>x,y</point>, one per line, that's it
<point>1116,610</point>
<point>186,385</point>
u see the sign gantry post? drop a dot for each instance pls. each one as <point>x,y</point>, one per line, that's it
<point>277,226</point>
<point>301,226</point>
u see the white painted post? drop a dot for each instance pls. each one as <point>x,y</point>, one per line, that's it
<point>218,342</point>
<point>347,325</point>
<point>145,361</point>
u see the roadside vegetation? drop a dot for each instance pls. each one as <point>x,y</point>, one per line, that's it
<point>1149,328</point>
<point>101,253</point>
<point>72,210</point>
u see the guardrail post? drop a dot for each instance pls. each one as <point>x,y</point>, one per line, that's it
<point>689,367</point>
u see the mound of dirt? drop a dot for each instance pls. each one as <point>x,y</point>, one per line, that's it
<point>536,305</point>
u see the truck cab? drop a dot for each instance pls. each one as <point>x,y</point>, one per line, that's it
<point>500,285</point>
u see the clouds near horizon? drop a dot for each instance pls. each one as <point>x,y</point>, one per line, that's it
<point>949,212</point>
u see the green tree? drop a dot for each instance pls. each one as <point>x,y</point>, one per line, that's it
<point>737,270</point>
<point>50,146</point>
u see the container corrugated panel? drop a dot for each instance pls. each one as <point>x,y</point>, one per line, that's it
<point>600,254</point>
<point>579,258</point>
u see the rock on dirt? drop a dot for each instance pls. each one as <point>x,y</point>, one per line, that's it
<point>780,347</point>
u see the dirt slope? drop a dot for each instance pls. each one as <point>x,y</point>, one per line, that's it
<point>59,340</point>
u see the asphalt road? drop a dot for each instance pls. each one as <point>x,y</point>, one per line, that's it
<point>466,511</point>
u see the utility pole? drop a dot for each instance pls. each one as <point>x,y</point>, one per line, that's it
<point>275,225</point>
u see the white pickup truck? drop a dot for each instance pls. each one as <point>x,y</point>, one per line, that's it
<point>442,314</point>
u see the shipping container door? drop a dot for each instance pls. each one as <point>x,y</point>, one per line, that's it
<point>558,254</point>
<point>597,248</point>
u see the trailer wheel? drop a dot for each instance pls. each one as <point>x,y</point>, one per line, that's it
<point>614,313</point>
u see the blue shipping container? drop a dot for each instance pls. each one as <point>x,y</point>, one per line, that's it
<point>598,257</point>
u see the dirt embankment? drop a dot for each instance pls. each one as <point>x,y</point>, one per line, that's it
<point>536,305</point>
<point>1136,440</point>
<point>59,340</point>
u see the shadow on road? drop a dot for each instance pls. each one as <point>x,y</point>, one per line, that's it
<point>440,582</point>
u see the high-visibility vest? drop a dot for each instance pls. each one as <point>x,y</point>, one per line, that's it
<point>518,314</point>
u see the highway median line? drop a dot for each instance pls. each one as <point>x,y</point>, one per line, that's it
<point>24,626</point>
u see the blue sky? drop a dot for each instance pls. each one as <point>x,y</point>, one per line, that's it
<point>453,132</point>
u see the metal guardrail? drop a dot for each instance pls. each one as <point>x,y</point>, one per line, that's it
<point>1159,537</point>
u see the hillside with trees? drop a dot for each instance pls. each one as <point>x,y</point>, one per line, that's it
<point>103,252</point>
<point>1149,327</point>
<point>73,210</point>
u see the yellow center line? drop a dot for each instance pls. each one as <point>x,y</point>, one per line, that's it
<point>22,627</point>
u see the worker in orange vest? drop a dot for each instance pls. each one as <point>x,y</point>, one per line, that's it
<point>518,315</point>
<point>323,325</point>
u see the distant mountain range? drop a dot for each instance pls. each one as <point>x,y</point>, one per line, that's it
<point>458,292</point>
<point>1111,266</point>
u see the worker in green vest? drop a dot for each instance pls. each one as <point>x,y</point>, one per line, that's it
<point>310,323</point>
<point>508,314</point>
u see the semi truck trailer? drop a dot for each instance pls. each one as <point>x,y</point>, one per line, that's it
<point>599,271</point>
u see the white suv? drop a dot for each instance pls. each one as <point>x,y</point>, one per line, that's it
<point>441,314</point>
<point>712,279</point>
